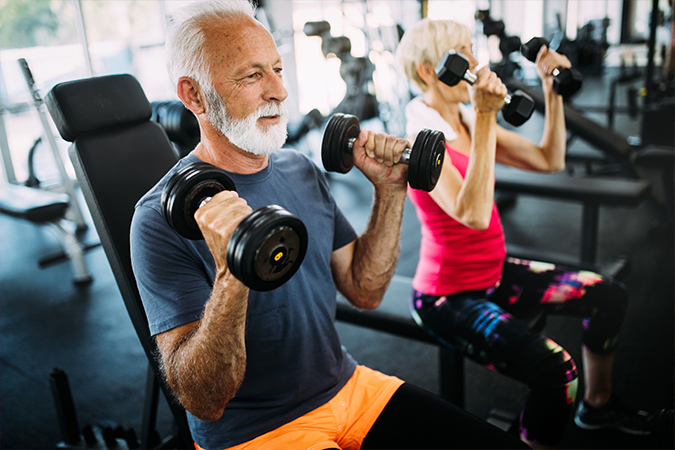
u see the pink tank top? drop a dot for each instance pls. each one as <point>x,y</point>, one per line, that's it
<point>453,257</point>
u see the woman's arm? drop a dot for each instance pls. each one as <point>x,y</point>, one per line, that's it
<point>469,200</point>
<point>549,156</point>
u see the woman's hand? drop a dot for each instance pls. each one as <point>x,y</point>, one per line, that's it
<point>547,61</point>
<point>488,92</point>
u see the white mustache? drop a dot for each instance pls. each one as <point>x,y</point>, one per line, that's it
<point>271,109</point>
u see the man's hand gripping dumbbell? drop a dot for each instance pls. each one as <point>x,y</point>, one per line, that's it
<point>424,159</point>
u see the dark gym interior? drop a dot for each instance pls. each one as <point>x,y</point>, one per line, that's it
<point>62,316</point>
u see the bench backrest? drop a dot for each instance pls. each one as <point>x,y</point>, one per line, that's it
<point>118,155</point>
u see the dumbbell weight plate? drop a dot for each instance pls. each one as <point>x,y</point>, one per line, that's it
<point>335,153</point>
<point>185,191</point>
<point>267,248</point>
<point>426,160</point>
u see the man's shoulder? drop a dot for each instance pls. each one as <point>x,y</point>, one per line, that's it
<point>153,197</point>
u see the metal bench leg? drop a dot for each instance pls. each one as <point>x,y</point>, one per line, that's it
<point>589,232</point>
<point>451,365</point>
<point>149,436</point>
<point>74,250</point>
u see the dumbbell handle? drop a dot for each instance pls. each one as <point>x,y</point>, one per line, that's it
<point>405,156</point>
<point>471,78</point>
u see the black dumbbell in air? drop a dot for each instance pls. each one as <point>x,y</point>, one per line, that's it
<point>265,249</point>
<point>566,81</point>
<point>424,160</point>
<point>454,67</point>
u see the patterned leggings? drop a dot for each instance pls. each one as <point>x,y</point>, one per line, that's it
<point>481,325</point>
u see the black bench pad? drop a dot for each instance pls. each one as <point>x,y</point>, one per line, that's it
<point>598,190</point>
<point>592,132</point>
<point>32,204</point>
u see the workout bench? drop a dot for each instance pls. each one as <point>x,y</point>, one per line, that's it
<point>118,154</point>
<point>592,192</point>
<point>43,207</point>
<point>612,144</point>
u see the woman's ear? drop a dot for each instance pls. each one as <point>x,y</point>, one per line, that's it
<point>190,94</point>
<point>427,73</point>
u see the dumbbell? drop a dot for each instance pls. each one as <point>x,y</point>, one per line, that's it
<point>454,67</point>
<point>267,246</point>
<point>566,81</point>
<point>424,160</point>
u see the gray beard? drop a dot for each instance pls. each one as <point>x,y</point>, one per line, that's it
<point>244,133</point>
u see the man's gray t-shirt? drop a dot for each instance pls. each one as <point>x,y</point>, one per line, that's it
<point>295,362</point>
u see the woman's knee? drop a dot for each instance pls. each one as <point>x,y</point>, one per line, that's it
<point>550,366</point>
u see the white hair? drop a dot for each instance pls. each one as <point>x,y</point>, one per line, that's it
<point>185,40</point>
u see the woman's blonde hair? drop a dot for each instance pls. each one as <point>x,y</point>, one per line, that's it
<point>427,41</point>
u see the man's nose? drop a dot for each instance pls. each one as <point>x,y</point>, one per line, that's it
<point>275,89</point>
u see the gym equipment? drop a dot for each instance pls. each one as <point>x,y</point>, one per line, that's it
<point>265,249</point>
<point>43,207</point>
<point>506,67</point>
<point>491,27</point>
<point>454,67</point>
<point>104,434</point>
<point>425,159</point>
<point>566,81</point>
<point>180,124</point>
<point>118,155</point>
<point>68,185</point>
<point>313,119</point>
<point>357,73</point>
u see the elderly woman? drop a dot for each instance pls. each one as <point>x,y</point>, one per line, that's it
<point>466,291</point>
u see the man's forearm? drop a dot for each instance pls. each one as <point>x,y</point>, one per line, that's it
<point>206,367</point>
<point>377,249</point>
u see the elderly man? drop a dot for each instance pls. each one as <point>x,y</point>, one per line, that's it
<point>266,369</point>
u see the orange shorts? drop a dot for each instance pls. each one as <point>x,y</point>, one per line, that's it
<point>342,423</point>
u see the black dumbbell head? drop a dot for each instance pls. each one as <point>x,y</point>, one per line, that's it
<point>267,248</point>
<point>452,67</point>
<point>508,45</point>
<point>336,45</point>
<point>493,27</point>
<point>520,108</point>
<point>426,160</point>
<point>316,28</point>
<point>336,153</point>
<point>530,49</point>
<point>185,191</point>
<point>567,82</point>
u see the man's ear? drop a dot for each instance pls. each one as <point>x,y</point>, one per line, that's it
<point>427,73</point>
<point>191,95</point>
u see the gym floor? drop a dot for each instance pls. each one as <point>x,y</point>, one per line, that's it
<point>48,322</point>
